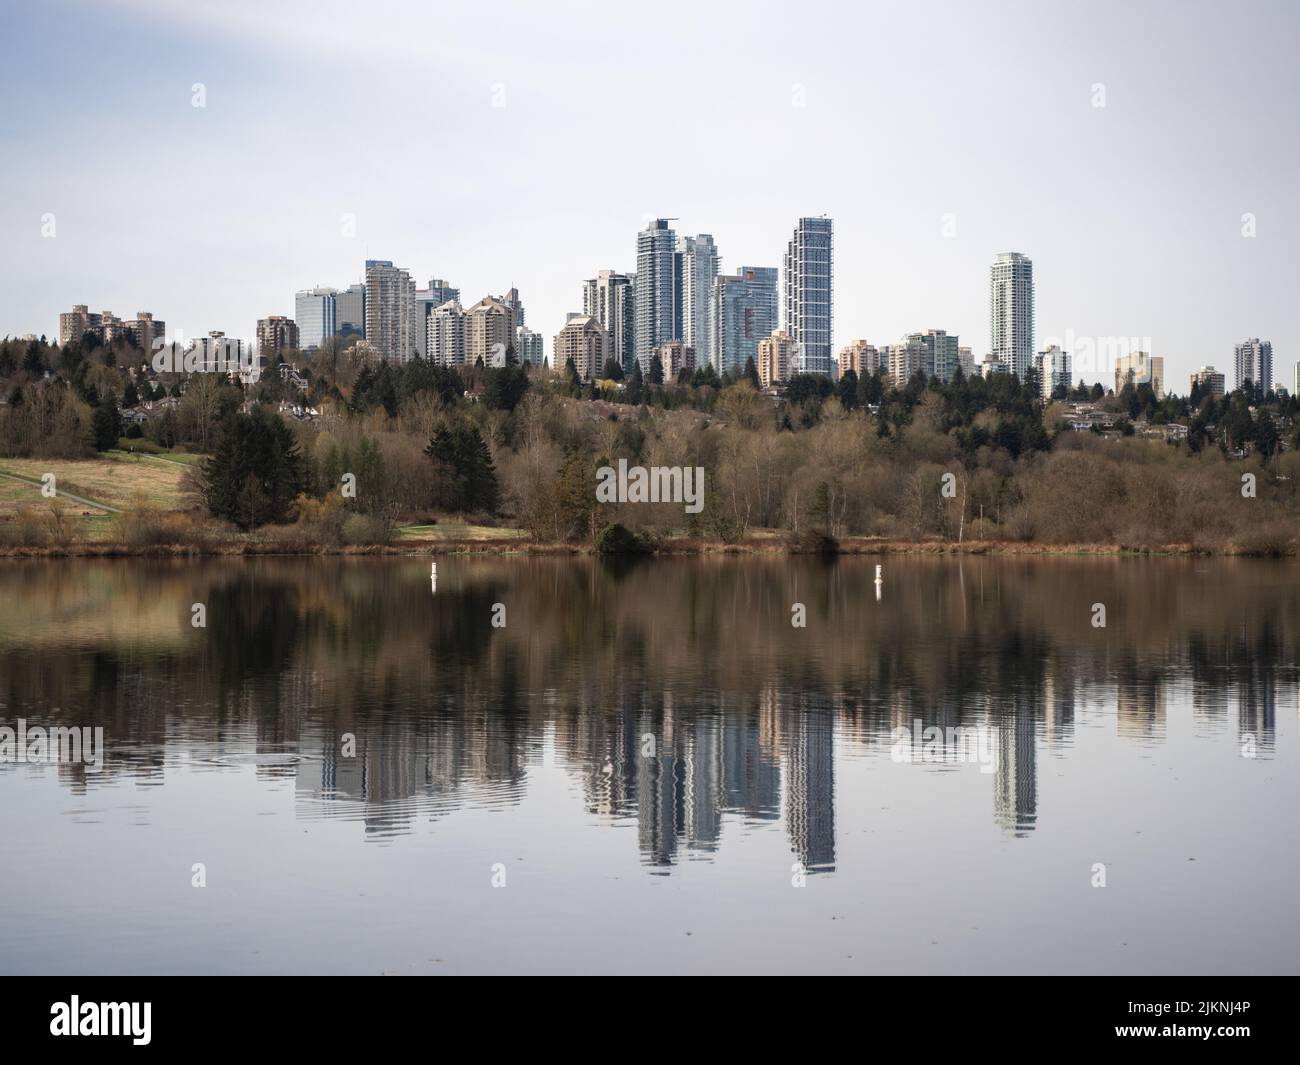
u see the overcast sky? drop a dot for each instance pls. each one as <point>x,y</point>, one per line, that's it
<point>526,143</point>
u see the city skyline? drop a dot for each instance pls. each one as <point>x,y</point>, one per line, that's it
<point>1146,228</point>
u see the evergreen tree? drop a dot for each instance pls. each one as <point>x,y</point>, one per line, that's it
<point>256,472</point>
<point>751,374</point>
<point>465,460</point>
<point>636,386</point>
<point>106,424</point>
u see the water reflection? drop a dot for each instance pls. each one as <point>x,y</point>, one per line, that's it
<point>676,695</point>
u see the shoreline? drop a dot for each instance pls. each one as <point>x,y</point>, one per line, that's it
<point>679,547</point>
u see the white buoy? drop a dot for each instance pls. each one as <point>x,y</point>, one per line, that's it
<point>879,583</point>
<point>879,580</point>
<point>433,577</point>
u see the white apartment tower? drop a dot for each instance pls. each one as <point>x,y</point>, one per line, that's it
<point>1053,366</point>
<point>1011,312</point>
<point>1253,361</point>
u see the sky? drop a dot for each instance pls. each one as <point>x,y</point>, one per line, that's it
<point>526,144</point>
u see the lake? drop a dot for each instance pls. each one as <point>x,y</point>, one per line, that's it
<point>728,764</point>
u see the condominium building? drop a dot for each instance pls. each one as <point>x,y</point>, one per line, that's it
<point>445,335</point>
<point>657,295</point>
<point>609,297</point>
<point>775,357</point>
<point>76,323</point>
<point>860,357</point>
<point>511,299</point>
<point>675,357</point>
<point>744,311</point>
<point>428,300</point>
<point>1253,361</point>
<point>966,361</point>
<point>1211,382</point>
<point>907,357</point>
<point>1011,311</point>
<point>107,327</point>
<point>1140,368</point>
<point>390,311</point>
<point>489,330</point>
<point>276,334</point>
<point>528,346</point>
<point>809,267</point>
<point>698,264</point>
<point>939,353</point>
<point>314,312</point>
<point>1053,366</point>
<point>584,342</point>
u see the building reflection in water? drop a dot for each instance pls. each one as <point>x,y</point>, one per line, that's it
<point>673,694</point>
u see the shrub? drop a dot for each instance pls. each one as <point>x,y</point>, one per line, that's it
<point>618,539</point>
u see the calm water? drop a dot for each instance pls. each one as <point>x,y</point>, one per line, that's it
<point>651,757</point>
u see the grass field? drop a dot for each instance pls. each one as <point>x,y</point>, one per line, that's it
<point>458,530</point>
<point>114,480</point>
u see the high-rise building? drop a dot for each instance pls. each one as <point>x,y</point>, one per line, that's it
<point>390,311</point>
<point>314,312</point>
<point>1011,311</point>
<point>1253,361</point>
<point>966,360</point>
<point>445,335</point>
<point>585,342</point>
<point>1140,368</point>
<point>699,265</point>
<point>860,357</point>
<point>939,353</point>
<point>656,295</point>
<point>443,291</point>
<point>1211,381</point>
<point>489,331</point>
<point>775,353</point>
<point>350,311</point>
<point>907,357</point>
<point>744,311</point>
<point>609,297</point>
<point>276,334</point>
<point>809,267</point>
<point>511,299</point>
<point>528,346</point>
<point>428,300</point>
<point>76,323</point>
<point>1053,366</point>
<point>675,357</point>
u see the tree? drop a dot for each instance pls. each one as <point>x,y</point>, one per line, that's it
<point>613,371</point>
<point>256,472</point>
<point>470,478</point>
<point>106,425</point>
<point>751,374</point>
<point>848,389</point>
<point>504,388</point>
<point>636,386</point>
